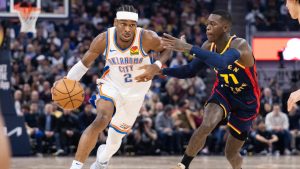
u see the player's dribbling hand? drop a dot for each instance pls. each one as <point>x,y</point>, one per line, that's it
<point>294,97</point>
<point>150,71</point>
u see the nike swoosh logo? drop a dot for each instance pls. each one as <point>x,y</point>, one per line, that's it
<point>112,50</point>
<point>249,102</point>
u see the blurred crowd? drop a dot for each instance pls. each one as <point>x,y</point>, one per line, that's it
<point>269,15</point>
<point>173,108</point>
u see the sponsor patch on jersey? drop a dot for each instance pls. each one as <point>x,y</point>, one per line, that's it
<point>134,50</point>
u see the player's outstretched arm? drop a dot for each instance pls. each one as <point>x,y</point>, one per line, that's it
<point>151,41</point>
<point>238,51</point>
<point>186,71</point>
<point>294,98</point>
<point>189,70</point>
<point>97,47</point>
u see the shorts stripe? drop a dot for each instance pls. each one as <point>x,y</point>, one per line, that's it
<point>234,128</point>
<point>117,129</point>
<point>105,97</point>
<point>225,111</point>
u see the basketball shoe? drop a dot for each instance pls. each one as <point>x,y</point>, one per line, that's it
<point>97,164</point>
<point>179,166</point>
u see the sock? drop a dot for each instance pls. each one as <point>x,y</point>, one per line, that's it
<point>76,165</point>
<point>113,143</point>
<point>186,160</point>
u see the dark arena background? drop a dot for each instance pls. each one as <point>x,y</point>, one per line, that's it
<point>173,108</point>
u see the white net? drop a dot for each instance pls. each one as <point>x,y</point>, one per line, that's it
<point>28,18</point>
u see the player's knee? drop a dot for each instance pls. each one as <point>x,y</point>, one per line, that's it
<point>206,127</point>
<point>101,120</point>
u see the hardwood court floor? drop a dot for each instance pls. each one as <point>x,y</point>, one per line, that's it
<point>207,162</point>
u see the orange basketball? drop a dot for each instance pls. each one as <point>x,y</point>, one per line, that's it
<point>68,94</point>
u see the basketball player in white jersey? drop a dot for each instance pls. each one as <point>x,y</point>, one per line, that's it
<point>120,96</point>
<point>294,10</point>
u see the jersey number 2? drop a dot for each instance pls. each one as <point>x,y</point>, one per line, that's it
<point>128,78</point>
<point>232,76</point>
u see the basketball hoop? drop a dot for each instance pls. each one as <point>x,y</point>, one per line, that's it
<point>28,17</point>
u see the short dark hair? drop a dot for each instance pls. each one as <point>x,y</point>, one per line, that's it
<point>127,8</point>
<point>224,14</point>
<point>168,108</point>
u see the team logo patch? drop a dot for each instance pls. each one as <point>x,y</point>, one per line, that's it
<point>134,50</point>
<point>1,35</point>
<point>125,126</point>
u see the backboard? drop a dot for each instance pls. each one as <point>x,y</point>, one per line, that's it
<point>55,9</point>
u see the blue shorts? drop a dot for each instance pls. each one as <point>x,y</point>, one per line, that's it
<point>239,109</point>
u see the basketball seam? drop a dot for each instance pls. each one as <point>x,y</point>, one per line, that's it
<point>59,90</point>
<point>73,87</point>
<point>68,103</point>
<point>71,102</point>
<point>68,93</point>
<point>70,96</point>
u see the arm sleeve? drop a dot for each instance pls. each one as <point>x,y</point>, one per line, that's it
<point>219,61</point>
<point>186,71</point>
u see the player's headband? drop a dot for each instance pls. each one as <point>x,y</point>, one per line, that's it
<point>127,16</point>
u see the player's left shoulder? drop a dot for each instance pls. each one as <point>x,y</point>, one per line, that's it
<point>245,51</point>
<point>151,41</point>
<point>149,35</point>
<point>239,43</point>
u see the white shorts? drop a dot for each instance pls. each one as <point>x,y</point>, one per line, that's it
<point>126,110</point>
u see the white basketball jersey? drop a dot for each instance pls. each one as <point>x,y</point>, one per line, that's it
<point>122,65</point>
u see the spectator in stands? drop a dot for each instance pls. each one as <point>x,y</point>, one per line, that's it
<point>35,99</point>
<point>264,139</point>
<point>184,122</point>
<point>18,102</point>
<point>278,123</point>
<point>266,101</point>
<point>269,15</point>
<point>31,116</point>
<point>294,121</point>
<point>159,107</point>
<point>69,130</point>
<point>45,93</point>
<point>26,92</point>
<point>145,137</point>
<point>48,124</point>
<point>178,61</point>
<point>164,125</point>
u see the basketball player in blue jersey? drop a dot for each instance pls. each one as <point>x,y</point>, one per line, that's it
<point>119,97</point>
<point>235,96</point>
<point>294,10</point>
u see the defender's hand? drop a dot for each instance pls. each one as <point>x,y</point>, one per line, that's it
<point>150,72</point>
<point>172,43</point>
<point>294,97</point>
